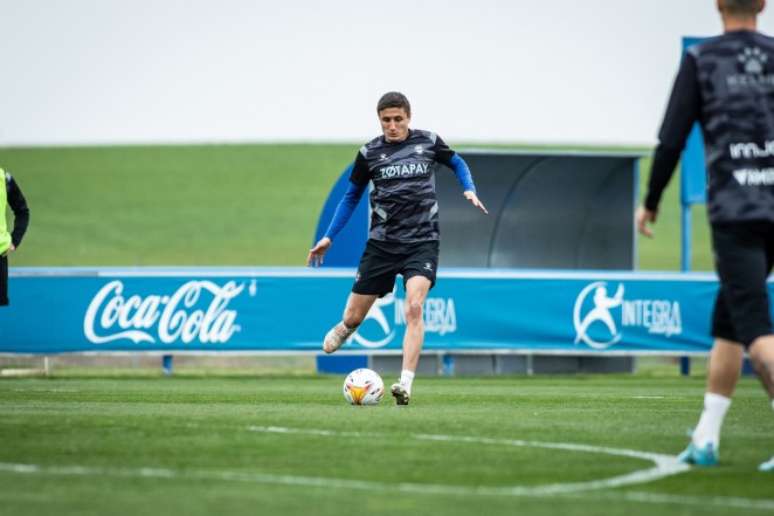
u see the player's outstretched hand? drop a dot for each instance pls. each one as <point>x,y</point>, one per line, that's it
<point>643,217</point>
<point>471,196</point>
<point>9,250</point>
<point>315,258</point>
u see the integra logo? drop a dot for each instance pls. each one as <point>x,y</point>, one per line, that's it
<point>598,327</point>
<point>405,170</point>
<point>440,317</point>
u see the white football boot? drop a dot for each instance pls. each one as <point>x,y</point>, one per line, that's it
<point>336,337</point>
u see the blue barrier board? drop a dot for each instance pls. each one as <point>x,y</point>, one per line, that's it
<point>254,310</point>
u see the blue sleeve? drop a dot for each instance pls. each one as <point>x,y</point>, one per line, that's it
<point>345,209</point>
<point>462,172</point>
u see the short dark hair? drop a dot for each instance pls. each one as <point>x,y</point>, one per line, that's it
<point>393,99</point>
<point>742,7</point>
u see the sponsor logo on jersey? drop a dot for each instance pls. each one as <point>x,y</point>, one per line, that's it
<point>748,150</point>
<point>754,176</point>
<point>413,169</point>
<point>752,61</point>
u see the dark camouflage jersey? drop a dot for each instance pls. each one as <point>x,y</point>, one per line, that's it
<point>403,202</point>
<point>727,84</point>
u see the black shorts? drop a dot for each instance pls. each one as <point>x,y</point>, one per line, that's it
<point>744,255</point>
<point>382,261</point>
<point>3,280</point>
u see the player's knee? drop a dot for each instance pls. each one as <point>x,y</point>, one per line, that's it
<point>413,311</point>
<point>763,365</point>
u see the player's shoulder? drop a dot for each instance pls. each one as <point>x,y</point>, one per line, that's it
<point>372,146</point>
<point>421,134</point>
<point>729,42</point>
<point>704,46</point>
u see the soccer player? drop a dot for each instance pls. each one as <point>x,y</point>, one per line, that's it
<point>727,84</point>
<point>404,234</point>
<point>10,195</point>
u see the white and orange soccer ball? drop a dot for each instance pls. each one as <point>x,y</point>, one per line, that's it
<point>363,387</point>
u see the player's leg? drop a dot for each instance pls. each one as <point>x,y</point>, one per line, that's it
<point>417,288</point>
<point>356,310</point>
<point>762,348</point>
<point>762,356</point>
<point>740,260</point>
<point>419,271</point>
<point>375,278</point>
<point>725,365</point>
<point>3,279</point>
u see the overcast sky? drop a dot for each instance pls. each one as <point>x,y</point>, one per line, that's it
<point>559,71</point>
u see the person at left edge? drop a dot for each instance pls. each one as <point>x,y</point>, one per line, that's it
<point>11,196</point>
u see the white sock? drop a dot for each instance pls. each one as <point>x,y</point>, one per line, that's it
<point>708,429</point>
<point>772,404</point>
<point>406,379</point>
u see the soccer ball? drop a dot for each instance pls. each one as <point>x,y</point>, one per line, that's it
<point>363,387</point>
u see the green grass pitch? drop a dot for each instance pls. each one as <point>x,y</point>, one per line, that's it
<point>290,445</point>
<point>253,204</point>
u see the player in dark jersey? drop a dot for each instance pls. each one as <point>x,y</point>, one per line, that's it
<point>727,84</point>
<point>11,196</point>
<point>403,237</point>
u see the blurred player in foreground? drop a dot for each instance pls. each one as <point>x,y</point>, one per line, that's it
<point>727,85</point>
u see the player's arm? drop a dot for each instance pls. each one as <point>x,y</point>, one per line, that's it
<point>21,212</point>
<point>454,161</point>
<point>358,181</point>
<point>682,111</point>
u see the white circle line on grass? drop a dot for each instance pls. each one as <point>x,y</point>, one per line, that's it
<point>664,465</point>
<point>337,483</point>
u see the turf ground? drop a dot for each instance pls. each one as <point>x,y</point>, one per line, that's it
<point>290,445</point>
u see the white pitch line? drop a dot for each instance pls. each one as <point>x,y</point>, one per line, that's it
<point>339,483</point>
<point>665,465</point>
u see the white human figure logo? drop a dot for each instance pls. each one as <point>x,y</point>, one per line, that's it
<point>377,314</point>
<point>601,312</point>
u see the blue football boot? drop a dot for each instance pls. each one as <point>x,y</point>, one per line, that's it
<point>699,456</point>
<point>767,466</point>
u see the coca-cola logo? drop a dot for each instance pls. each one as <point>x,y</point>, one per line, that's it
<point>112,316</point>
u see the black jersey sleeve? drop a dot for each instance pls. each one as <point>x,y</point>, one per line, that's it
<point>360,175</point>
<point>682,111</point>
<point>21,212</point>
<point>443,154</point>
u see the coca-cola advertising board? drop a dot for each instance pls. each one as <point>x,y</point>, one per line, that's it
<point>281,310</point>
<point>75,310</point>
